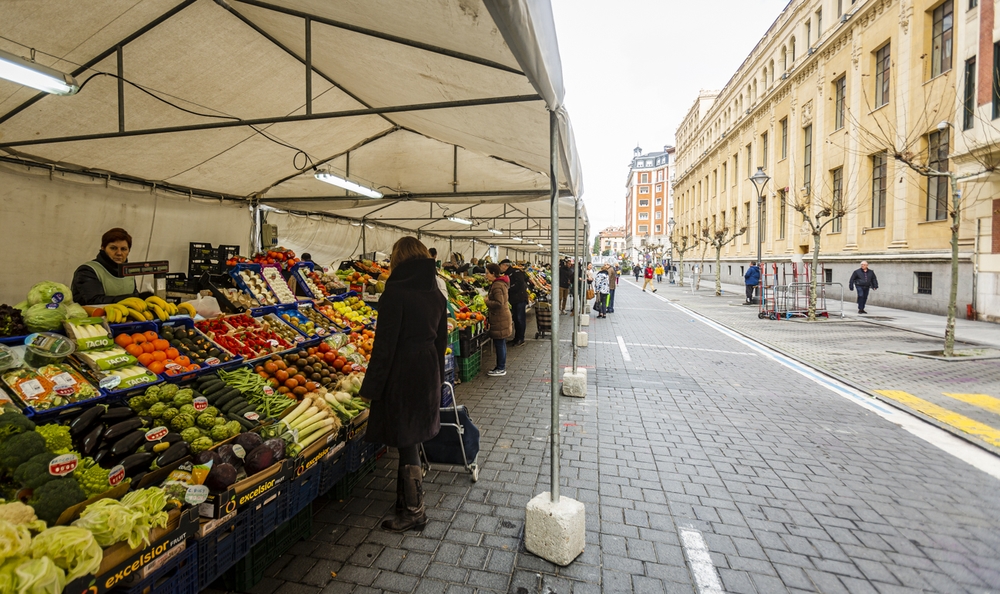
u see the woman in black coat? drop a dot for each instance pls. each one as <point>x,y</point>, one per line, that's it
<point>404,376</point>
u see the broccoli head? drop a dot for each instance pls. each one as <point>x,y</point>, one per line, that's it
<point>20,448</point>
<point>35,472</point>
<point>57,439</point>
<point>12,423</point>
<point>56,496</point>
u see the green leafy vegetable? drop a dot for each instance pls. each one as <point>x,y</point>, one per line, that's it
<point>57,438</point>
<point>15,541</point>
<point>40,576</point>
<point>73,549</point>
<point>40,318</point>
<point>45,290</point>
<point>130,519</point>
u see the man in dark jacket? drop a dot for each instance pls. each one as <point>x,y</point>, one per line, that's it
<point>565,282</point>
<point>751,278</point>
<point>517,296</point>
<point>863,280</point>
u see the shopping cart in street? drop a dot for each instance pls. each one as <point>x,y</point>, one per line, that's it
<point>543,318</point>
<point>458,441</point>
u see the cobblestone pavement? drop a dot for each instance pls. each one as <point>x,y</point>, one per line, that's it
<point>791,487</point>
<point>859,352</point>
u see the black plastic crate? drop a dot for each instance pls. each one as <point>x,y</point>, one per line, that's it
<point>198,267</point>
<point>226,252</point>
<point>222,548</point>
<point>248,571</point>
<point>333,470</point>
<point>178,281</point>
<point>303,490</point>
<point>359,452</point>
<point>342,490</point>
<point>179,575</point>
<point>263,518</point>
<point>200,251</point>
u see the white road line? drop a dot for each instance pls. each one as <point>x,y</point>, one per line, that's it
<point>624,349</point>
<point>668,346</point>
<point>705,576</point>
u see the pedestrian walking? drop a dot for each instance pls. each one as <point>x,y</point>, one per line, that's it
<point>648,279</point>
<point>590,283</point>
<point>602,291</point>
<point>403,380</point>
<point>517,295</point>
<point>613,274</point>
<point>659,272</point>
<point>565,282</point>
<point>501,324</point>
<point>636,270</point>
<point>751,278</point>
<point>673,274</point>
<point>863,280</point>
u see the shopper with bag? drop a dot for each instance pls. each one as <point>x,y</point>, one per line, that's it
<point>518,297</point>
<point>404,376</point>
<point>603,290</point>
<point>501,324</point>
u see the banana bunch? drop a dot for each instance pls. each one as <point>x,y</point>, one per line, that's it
<point>137,310</point>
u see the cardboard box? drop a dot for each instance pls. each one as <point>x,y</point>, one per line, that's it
<point>250,491</point>
<point>312,457</point>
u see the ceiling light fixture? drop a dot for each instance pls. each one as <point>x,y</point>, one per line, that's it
<point>326,176</point>
<point>31,74</point>
<point>460,220</point>
<point>515,238</point>
<point>495,232</point>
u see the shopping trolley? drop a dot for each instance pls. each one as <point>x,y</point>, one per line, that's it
<point>457,442</point>
<point>543,318</point>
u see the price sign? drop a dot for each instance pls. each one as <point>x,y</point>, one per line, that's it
<point>156,433</point>
<point>252,416</point>
<point>200,403</point>
<point>196,494</point>
<point>63,465</point>
<point>239,451</point>
<point>116,475</point>
<point>212,361</point>
<point>268,391</point>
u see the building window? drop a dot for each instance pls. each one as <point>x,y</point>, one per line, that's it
<point>763,150</point>
<point>659,187</point>
<point>736,168</point>
<point>839,89</point>
<point>659,214</point>
<point>643,229</point>
<point>828,275</point>
<point>807,157</point>
<point>658,227</point>
<point>942,33</point>
<point>840,8</point>
<point>792,44</point>
<point>643,216</point>
<point>809,35</point>
<point>643,178</point>
<point>782,205</point>
<point>969,100</point>
<point>746,221</point>
<point>659,175</point>
<point>882,76</point>
<point>973,4</point>
<point>659,201</point>
<point>643,189</point>
<point>644,202</point>
<point>749,160</point>
<point>837,199</point>
<point>784,138</point>
<point>923,283</point>
<point>880,168</point>
<point>937,185</point>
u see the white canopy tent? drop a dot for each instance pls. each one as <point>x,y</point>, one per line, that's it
<point>442,105</point>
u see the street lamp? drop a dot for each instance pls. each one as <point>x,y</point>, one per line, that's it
<point>670,238</point>
<point>759,180</point>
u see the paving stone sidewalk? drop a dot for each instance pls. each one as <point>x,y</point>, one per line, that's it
<point>859,352</point>
<point>791,487</point>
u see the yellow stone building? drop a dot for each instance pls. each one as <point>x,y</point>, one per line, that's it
<point>834,93</point>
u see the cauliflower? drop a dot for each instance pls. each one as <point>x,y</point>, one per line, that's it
<point>18,513</point>
<point>57,439</point>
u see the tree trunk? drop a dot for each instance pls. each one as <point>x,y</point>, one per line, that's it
<point>680,269</point>
<point>718,271</point>
<point>813,269</point>
<point>956,217</point>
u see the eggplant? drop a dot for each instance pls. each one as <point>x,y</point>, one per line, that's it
<point>220,478</point>
<point>137,463</point>
<point>173,454</point>
<point>85,420</point>
<point>136,479</point>
<point>121,428</point>
<point>104,459</point>
<point>117,413</point>
<point>92,440</point>
<point>128,444</point>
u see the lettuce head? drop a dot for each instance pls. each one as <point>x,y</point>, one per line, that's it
<point>45,290</point>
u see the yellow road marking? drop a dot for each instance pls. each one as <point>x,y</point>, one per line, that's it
<point>983,401</point>
<point>951,418</point>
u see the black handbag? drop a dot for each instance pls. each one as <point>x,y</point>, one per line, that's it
<point>443,447</point>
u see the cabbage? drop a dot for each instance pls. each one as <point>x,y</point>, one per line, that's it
<point>43,292</point>
<point>72,549</point>
<point>39,318</point>
<point>23,306</point>
<point>14,540</point>
<point>75,310</point>
<point>8,579</point>
<point>40,576</point>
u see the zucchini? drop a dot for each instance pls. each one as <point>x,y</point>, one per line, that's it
<point>222,395</point>
<point>227,398</point>
<point>213,387</point>
<point>233,405</point>
<point>245,422</point>
<point>244,409</point>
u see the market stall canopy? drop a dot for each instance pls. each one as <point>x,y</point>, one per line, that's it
<point>441,105</point>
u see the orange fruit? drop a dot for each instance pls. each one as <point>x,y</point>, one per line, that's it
<point>138,338</point>
<point>145,359</point>
<point>150,335</point>
<point>159,356</point>
<point>172,353</point>
<point>156,367</point>
<point>123,340</point>
<point>160,344</point>
<point>193,367</point>
<point>182,361</point>
<point>134,350</point>
<point>147,347</point>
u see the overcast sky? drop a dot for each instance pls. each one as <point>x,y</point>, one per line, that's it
<point>632,70</point>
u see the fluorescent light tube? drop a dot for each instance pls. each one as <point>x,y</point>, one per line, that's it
<point>460,220</point>
<point>347,184</point>
<point>495,232</point>
<point>30,74</point>
<point>515,238</point>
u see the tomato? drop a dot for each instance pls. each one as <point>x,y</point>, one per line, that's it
<point>292,370</point>
<point>281,375</point>
<point>325,348</point>
<point>280,364</point>
<point>264,375</point>
<point>339,363</point>
<point>270,367</point>
<point>301,379</point>
<point>312,386</point>
<point>283,390</point>
<point>291,383</point>
<point>330,357</point>
<point>259,368</point>
<point>347,368</point>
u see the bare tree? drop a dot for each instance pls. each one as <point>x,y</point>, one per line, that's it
<point>719,237</point>
<point>701,265</point>
<point>683,244</point>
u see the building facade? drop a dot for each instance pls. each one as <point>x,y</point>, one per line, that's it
<point>612,241</point>
<point>846,105</point>
<point>648,204</point>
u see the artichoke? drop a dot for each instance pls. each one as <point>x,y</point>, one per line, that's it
<point>182,422</point>
<point>206,421</point>
<point>201,444</point>
<point>169,413</point>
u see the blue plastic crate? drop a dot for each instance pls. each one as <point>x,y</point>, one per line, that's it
<point>359,452</point>
<point>262,519</point>
<point>179,575</point>
<point>334,469</point>
<point>222,548</point>
<point>448,392</point>
<point>303,490</point>
<point>249,570</point>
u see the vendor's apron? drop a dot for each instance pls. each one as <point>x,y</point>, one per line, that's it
<point>113,286</point>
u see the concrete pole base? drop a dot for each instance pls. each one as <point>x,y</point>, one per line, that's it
<point>555,531</point>
<point>581,339</point>
<point>584,320</point>
<point>574,384</point>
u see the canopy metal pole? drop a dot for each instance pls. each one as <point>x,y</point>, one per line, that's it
<point>364,238</point>
<point>554,254</point>
<point>577,271</point>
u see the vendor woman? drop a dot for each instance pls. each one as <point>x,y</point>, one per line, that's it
<point>100,280</point>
